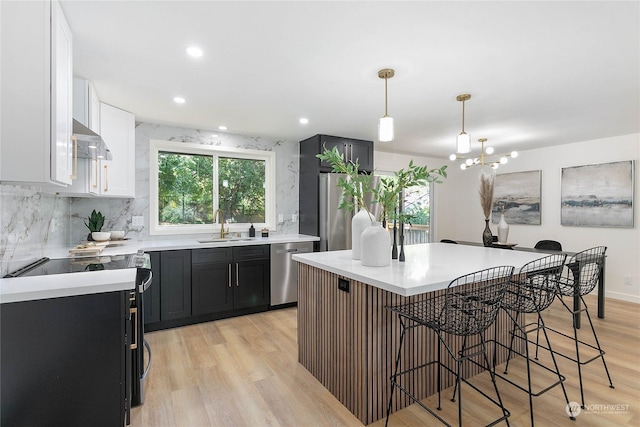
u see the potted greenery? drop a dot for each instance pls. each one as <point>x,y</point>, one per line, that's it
<point>354,187</point>
<point>387,193</point>
<point>96,221</point>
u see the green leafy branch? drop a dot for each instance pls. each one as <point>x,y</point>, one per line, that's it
<point>354,186</point>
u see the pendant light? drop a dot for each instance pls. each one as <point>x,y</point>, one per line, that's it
<point>463,144</point>
<point>385,127</point>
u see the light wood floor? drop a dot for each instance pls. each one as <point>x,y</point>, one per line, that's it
<point>244,372</point>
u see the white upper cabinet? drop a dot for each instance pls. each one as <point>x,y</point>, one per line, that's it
<point>36,94</point>
<point>117,176</point>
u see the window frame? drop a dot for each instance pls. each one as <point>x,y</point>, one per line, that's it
<point>157,146</point>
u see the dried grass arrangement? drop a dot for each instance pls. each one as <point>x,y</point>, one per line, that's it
<point>486,193</point>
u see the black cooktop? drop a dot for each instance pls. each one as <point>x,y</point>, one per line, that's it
<point>46,266</point>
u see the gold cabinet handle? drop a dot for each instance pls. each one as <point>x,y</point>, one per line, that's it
<point>106,177</point>
<point>74,170</point>
<point>237,276</point>
<point>134,340</point>
<point>229,275</point>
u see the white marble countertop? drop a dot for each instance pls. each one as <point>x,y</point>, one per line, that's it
<point>124,247</point>
<point>64,285</point>
<point>427,267</point>
<point>89,282</point>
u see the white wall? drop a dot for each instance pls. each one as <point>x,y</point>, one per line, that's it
<point>459,216</point>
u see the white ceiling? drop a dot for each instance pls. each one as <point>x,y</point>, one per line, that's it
<point>540,73</point>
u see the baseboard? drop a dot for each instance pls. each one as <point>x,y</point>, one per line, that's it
<point>623,297</point>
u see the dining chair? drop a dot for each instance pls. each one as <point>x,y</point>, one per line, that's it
<point>579,278</point>
<point>548,244</point>
<point>467,308</point>
<point>531,291</point>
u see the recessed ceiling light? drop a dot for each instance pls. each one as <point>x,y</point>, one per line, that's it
<point>303,121</point>
<point>222,127</point>
<point>195,51</point>
<point>179,100</point>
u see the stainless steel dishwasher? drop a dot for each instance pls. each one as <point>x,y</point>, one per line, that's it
<point>284,271</point>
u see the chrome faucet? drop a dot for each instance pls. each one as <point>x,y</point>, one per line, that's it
<point>221,220</point>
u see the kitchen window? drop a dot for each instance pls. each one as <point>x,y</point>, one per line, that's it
<point>194,187</point>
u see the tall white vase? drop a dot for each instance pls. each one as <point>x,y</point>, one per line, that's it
<point>503,230</point>
<point>359,223</point>
<point>376,246</point>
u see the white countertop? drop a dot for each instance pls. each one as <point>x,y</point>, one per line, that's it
<point>64,285</point>
<point>428,267</point>
<point>124,247</point>
<point>91,282</point>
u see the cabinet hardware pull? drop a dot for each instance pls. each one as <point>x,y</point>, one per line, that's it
<point>134,341</point>
<point>237,276</point>
<point>229,275</point>
<point>74,170</point>
<point>106,177</point>
<point>351,155</point>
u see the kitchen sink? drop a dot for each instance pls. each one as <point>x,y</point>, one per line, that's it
<point>239,239</point>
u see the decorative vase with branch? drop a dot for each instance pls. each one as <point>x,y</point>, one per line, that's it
<point>354,186</point>
<point>487,181</point>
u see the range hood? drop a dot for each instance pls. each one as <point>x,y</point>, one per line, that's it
<point>90,144</point>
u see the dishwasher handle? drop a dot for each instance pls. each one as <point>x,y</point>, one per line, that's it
<point>289,251</point>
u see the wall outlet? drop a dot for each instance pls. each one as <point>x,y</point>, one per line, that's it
<point>294,217</point>
<point>137,221</point>
<point>280,218</point>
<point>627,280</point>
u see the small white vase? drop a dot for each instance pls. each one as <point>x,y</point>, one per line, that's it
<point>359,223</point>
<point>376,246</point>
<point>503,230</point>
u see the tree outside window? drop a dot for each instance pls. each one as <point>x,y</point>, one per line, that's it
<point>189,183</point>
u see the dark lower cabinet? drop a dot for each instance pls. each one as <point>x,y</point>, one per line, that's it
<point>198,285</point>
<point>211,280</point>
<point>64,361</point>
<point>175,284</point>
<point>151,297</point>
<point>252,279</point>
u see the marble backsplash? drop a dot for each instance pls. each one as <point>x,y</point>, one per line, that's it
<point>32,222</point>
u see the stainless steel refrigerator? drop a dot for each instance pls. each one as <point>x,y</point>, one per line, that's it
<point>335,224</point>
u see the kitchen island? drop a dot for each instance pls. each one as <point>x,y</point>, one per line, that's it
<point>347,338</point>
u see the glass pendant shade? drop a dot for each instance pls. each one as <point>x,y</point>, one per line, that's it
<point>463,144</point>
<point>385,129</point>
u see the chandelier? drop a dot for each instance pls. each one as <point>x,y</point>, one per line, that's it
<point>486,158</point>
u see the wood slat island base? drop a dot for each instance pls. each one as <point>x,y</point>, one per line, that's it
<point>349,341</point>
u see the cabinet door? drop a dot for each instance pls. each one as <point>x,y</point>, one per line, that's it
<point>175,284</point>
<point>64,361</point>
<point>362,152</point>
<point>151,297</point>
<point>251,283</point>
<point>117,176</point>
<point>211,286</point>
<point>63,161</point>
<point>327,143</point>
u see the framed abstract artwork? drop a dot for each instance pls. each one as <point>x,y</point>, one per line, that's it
<point>598,195</point>
<point>519,193</point>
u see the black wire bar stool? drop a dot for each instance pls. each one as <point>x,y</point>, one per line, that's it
<point>467,308</point>
<point>532,291</point>
<point>578,279</point>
